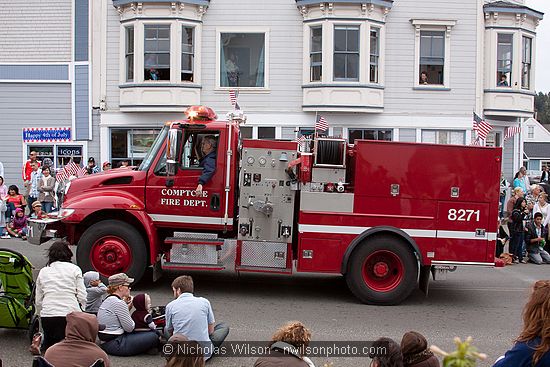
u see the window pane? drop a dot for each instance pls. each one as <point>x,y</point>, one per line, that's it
<point>119,143</point>
<point>316,39</point>
<point>352,67</point>
<point>353,39</point>
<point>130,39</point>
<point>369,134</point>
<point>339,39</point>
<point>142,141</point>
<point>385,135</point>
<point>266,132</point>
<point>428,136</point>
<point>374,42</point>
<point>243,60</point>
<point>186,62</point>
<point>246,132</point>
<point>354,135</point>
<point>457,138</point>
<point>339,66</point>
<point>157,52</point>
<point>129,54</point>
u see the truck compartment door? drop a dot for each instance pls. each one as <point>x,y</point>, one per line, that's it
<point>463,232</point>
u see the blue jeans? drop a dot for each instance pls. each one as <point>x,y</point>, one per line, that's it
<point>219,334</point>
<point>516,244</point>
<point>131,344</point>
<point>10,210</point>
<point>47,206</point>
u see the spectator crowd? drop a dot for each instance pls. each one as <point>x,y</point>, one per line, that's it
<point>85,321</point>
<point>40,194</point>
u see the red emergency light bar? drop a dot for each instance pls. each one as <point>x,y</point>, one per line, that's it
<point>200,113</point>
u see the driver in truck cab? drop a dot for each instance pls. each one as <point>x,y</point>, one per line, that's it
<point>208,161</point>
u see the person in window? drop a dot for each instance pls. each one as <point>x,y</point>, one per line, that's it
<point>503,81</point>
<point>423,78</point>
<point>208,161</point>
<point>232,70</point>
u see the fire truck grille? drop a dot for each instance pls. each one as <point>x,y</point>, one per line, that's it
<point>264,254</point>
<point>194,254</point>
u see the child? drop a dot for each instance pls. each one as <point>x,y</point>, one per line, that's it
<point>142,315</point>
<point>3,208</point>
<point>37,212</point>
<point>18,225</point>
<point>95,290</point>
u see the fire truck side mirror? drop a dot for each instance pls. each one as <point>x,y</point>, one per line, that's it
<point>172,151</point>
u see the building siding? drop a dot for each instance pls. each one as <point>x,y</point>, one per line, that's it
<point>400,98</point>
<point>82,102</point>
<point>35,31</point>
<point>34,72</point>
<point>50,107</point>
<point>81,30</point>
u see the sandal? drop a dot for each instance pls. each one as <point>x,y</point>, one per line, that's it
<point>36,343</point>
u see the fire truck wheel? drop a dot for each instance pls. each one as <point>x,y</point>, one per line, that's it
<point>382,271</point>
<point>111,247</point>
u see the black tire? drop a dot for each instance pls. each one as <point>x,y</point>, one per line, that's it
<point>121,231</point>
<point>402,271</point>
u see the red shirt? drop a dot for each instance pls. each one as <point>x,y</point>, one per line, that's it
<point>27,169</point>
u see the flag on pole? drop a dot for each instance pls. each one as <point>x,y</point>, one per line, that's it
<point>233,97</point>
<point>511,131</point>
<point>73,169</point>
<point>61,175</point>
<point>302,142</point>
<point>482,127</point>
<point>321,124</point>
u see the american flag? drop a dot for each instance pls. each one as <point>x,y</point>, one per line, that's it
<point>61,175</point>
<point>302,142</point>
<point>321,124</point>
<point>482,127</point>
<point>233,98</point>
<point>73,169</point>
<point>511,131</point>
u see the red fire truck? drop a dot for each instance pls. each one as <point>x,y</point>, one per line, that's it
<point>383,214</point>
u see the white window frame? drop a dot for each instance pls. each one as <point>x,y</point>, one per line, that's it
<point>530,78</point>
<point>436,26</point>
<point>176,26</point>
<point>128,54</point>
<point>353,27</point>
<point>311,53</point>
<point>439,131</point>
<point>378,31</point>
<point>83,144</point>
<point>251,29</point>
<point>512,77</point>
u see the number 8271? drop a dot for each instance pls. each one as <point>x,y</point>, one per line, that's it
<point>463,215</point>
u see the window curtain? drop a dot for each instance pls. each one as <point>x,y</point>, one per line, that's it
<point>261,67</point>
<point>224,80</point>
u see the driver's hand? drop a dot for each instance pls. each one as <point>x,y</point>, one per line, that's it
<point>199,189</point>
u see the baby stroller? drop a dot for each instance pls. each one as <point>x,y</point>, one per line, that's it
<point>17,309</point>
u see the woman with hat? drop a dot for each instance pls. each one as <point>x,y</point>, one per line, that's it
<point>37,212</point>
<point>119,337</point>
<point>416,353</point>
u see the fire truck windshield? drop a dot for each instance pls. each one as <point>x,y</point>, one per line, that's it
<point>152,153</point>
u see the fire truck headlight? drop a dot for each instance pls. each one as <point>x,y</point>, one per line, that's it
<point>65,212</point>
<point>67,186</point>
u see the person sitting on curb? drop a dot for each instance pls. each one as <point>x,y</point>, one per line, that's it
<point>287,347</point>
<point>534,240</point>
<point>119,338</point>
<point>79,347</point>
<point>193,317</point>
<point>416,353</point>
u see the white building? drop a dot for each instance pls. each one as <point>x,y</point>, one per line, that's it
<point>358,63</point>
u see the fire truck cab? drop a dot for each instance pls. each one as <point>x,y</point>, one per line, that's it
<point>383,214</point>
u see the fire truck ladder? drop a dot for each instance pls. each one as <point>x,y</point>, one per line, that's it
<point>193,251</point>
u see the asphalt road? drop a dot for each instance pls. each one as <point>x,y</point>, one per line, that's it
<point>483,303</point>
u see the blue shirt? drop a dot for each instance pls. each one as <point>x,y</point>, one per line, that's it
<point>35,177</point>
<point>521,355</point>
<point>520,183</point>
<point>208,163</point>
<point>190,316</point>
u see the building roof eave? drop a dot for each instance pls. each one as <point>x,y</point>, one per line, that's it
<point>506,7</point>
<point>384,3</point>
<point>117,3</point>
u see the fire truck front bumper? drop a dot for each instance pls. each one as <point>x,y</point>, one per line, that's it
<point>43,230</point>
